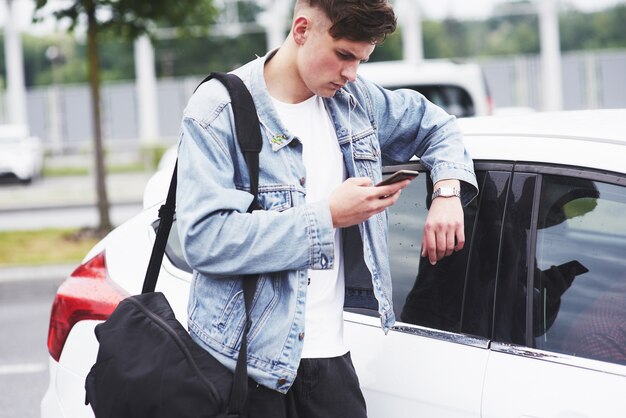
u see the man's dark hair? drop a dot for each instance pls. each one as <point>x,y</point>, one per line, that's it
<point>358,20</point>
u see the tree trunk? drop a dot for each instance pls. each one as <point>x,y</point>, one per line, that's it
<point>94,85</point>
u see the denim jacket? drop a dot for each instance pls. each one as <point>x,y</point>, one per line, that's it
<point>222,241</point>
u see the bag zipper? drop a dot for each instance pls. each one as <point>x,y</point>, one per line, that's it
<point>167,328</point>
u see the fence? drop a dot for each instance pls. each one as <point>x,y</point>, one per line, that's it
<point>61,115</point>
<point>591,80</point>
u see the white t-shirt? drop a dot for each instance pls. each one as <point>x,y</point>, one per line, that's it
<point>325,171</point>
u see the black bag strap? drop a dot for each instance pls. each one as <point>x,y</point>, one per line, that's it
<point>250,142</point>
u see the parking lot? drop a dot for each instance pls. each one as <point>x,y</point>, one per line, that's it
<point>24,315</point>
<point>26,293</point>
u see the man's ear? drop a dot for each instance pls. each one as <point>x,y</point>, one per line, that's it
<point>300,29</point>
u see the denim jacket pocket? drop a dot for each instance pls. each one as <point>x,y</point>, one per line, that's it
<point>366,154</point>
<point>231,321</point>
<point>365,146</point>
<point>276,198</point>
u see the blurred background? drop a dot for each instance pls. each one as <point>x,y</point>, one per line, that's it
<point>146,82</point>
<point>92,93</point>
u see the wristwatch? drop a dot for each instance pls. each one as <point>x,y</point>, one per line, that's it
<point>446,191</point>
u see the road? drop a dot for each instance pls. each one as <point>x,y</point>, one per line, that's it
<point>26,296</point>
<point>24,314</point>
<point>68,201</point>
<point>64,217</point>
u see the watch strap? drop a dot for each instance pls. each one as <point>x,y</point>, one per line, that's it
<point>446,191</point>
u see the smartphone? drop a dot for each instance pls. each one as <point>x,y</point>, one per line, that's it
<point>574,267</point>
<point>399,176</point>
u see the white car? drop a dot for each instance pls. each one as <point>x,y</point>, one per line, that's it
<point>459,88</point>
<point>528,320</point>
<point>21,155</point>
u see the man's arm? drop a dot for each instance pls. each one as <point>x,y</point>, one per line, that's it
<point>354,201</point>
<point>411,125</point>
<point>444,230</point>
<point>219,237</point>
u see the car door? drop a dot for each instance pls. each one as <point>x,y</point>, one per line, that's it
<point>559,344</point>
<point>432,363</point>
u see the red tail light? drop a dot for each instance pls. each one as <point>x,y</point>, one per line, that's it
<point>489,106</point>
<point>87,294</point>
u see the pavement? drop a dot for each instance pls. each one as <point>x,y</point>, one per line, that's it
<point>71,191</point>
<point>35,273</point>
<point>58,193</point>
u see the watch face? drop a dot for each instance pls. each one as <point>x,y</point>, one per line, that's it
<point>446,191</point>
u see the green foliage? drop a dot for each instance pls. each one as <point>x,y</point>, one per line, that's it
<point>499,35</point>
<point>200,55</point>
<point>509,38</point>
<point>519,34</point>
<point>131,18</point>
<point>598,30</point>
<point>390,49</point>
<point>436,42</point>
<point>47,246</point>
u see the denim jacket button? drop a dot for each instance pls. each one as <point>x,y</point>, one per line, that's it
<point>282,381</point>
<point>301,336</point>
<point>302,181</point>
<point>324,261</point>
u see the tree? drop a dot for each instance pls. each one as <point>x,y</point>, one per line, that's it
<point>126,19</point>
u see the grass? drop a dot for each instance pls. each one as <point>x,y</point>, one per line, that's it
<point>83,171</point>
<point>65,171</point>
<point>46,246</point>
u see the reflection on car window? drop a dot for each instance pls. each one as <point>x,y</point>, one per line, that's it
<point>174,249</point>
<point>453,99</point>
<point>456,294</point>
<point>580,274</point>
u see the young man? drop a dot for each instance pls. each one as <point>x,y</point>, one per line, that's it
<point>321,242</point>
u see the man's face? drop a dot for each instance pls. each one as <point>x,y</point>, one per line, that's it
<point>326,64</point>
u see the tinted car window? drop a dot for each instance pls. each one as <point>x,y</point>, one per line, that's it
<point>580,269</point>
<point>511,303</point>
<point>456,294</point>
<point>453,99</point>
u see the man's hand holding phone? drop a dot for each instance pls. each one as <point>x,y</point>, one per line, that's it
<point>355,201</point>
<point>397,177</point>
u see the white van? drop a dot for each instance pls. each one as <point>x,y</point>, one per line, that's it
<point>461,89</point>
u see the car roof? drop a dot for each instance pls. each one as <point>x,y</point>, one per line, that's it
<point>13,131</point>
<point>587,138</point>
<point>403,73</point>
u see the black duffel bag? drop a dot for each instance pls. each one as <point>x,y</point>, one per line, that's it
<point>147,365</point>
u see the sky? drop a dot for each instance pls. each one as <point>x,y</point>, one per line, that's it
<point>431,9</point>
<point>477,9</point>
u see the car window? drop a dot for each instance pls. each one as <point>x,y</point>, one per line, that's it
<point>453,99</point>
<point>174,249</point>
<point>456,294</point>
<point>510,310</point>
<point>579,302</point>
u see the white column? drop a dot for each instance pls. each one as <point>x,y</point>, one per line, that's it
<point>410,21</point>
<point>550,55</point>
<point>54,131</point>
<point>521,85</point>
<point>591,81</point>
<point>16,89</point>
<point>145,76</point>
<point>275,20</point>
